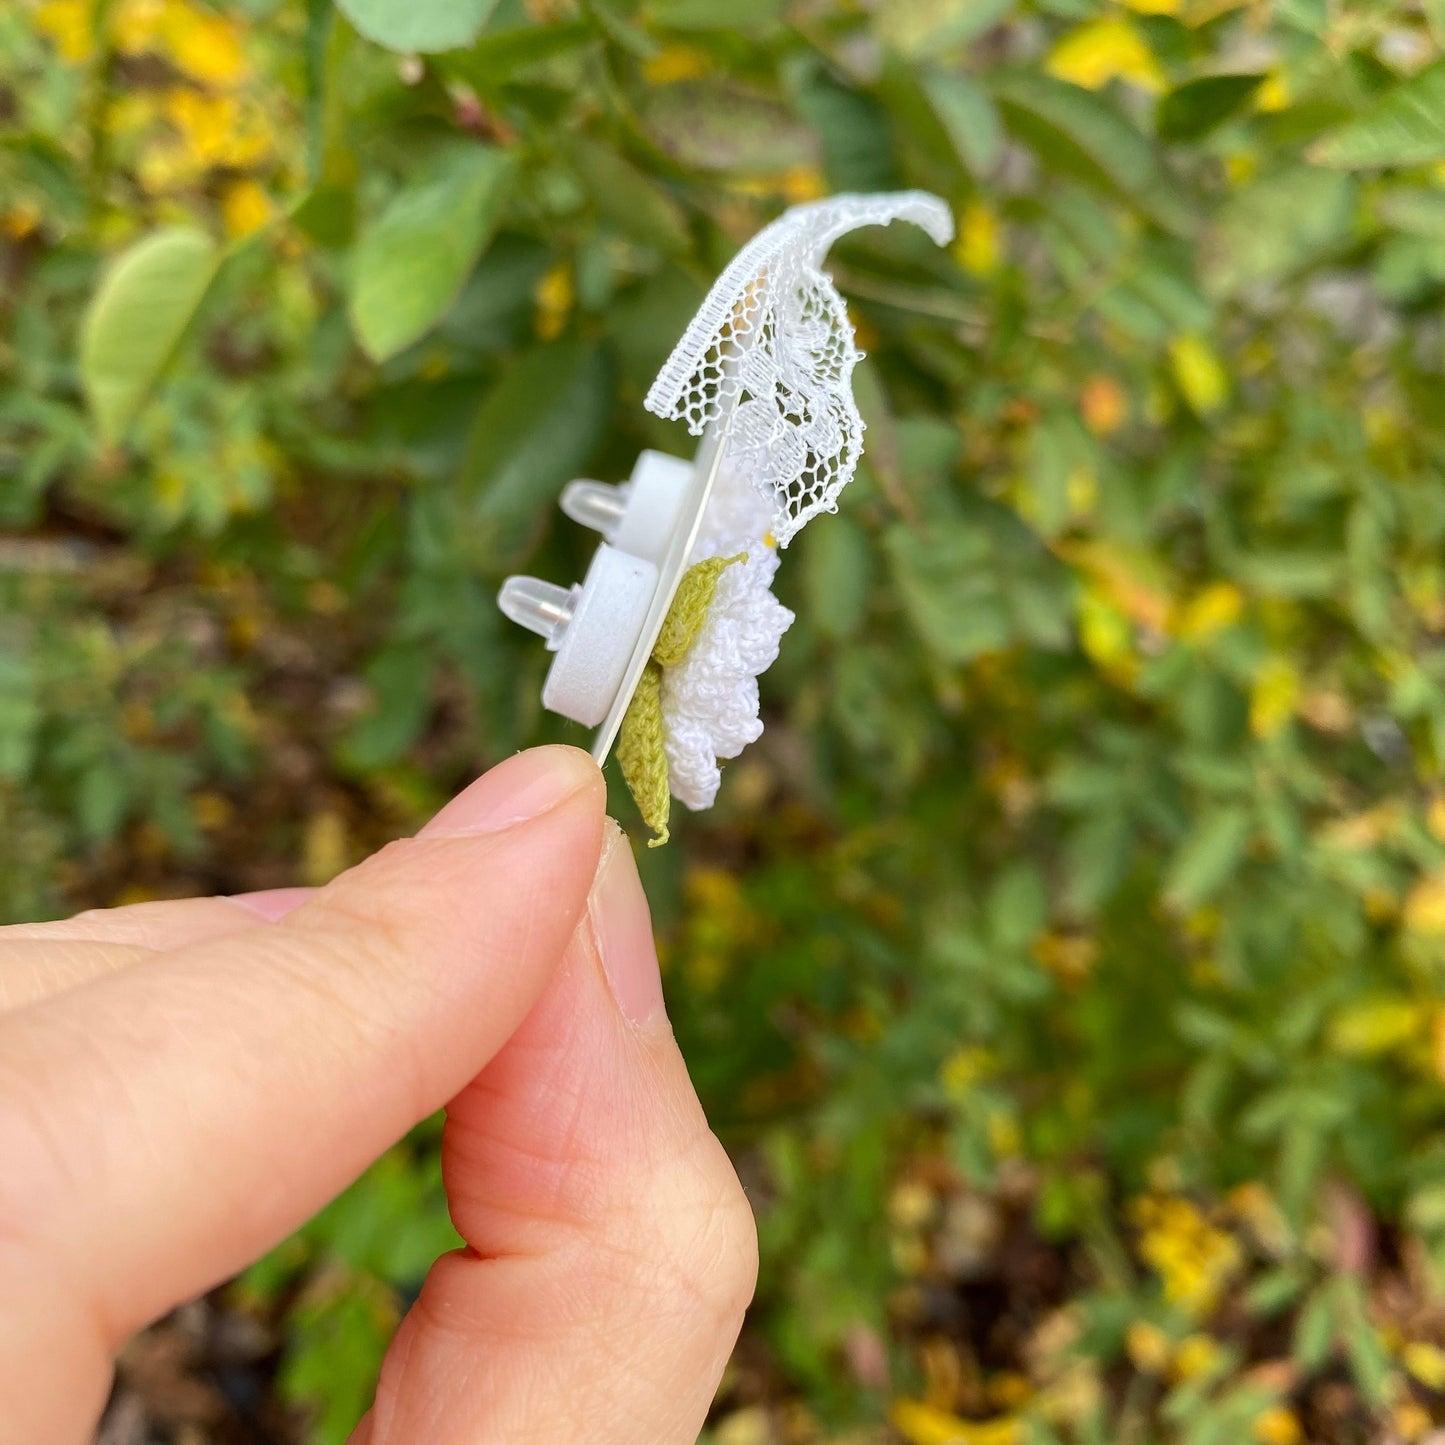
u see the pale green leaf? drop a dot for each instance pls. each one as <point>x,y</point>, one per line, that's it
<point>1276,224</point>
<point>720,128</point>
<point>967,115</point>
<point>411,265</point>
<point>536,429</point>
<point>137,318</point>
<point>1081,133</point>
<point>1200,105</point>
<point>1209,856</point>
<point>418,25</point>
<point>1405,127</point>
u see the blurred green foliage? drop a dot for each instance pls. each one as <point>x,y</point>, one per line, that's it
<point>1065,967</point>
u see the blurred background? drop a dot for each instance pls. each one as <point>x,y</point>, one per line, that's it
<point>1065,969</point>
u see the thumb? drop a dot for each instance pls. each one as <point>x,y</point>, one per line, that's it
<point>162,1125</point>
<point>611,1251</point>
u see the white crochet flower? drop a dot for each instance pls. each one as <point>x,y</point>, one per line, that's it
<point>710,698</point>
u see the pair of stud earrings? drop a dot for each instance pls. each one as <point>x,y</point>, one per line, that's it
<point>763,375</point>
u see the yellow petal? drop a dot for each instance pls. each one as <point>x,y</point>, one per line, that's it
<point>1103,50</point>
<point>1198,371</point>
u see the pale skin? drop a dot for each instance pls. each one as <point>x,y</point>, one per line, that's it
<point>183,1084</point>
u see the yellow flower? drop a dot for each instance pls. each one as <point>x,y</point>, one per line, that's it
<point>1195,1357</point>
<point>1424,911</point>
<point>802,183</point>
<point>962,1069</point>
<point>1364,830</point>
<point>1132,581</point>
<point>1411,1420</point>
<point>1376,1026</point>
<point>554,301</point>
<point>325,847</point>
<point>1069,956</point>
<point>1147,1346</point>
<point>1274,93</point>
<point>69,23</point>
<point>1009,1390</point>
<point>1199,373</point>
<point>978,244</point>
<point>1004,1137</point>
<point>922,1424</point>
<point>1103,50</point>
<point>1194,1260</point>
<point>164,167</point>
<point>203,44</point>
<point>136,25</point>
<point>217,129</point>
<point>673,63</point>
<point>911,1204</point>
<point>21,220</point>
<point>1426,1363</point>
<point>1213,608</point>
<point>199,42</point>
<point>131,112</point>
<point>1278,1425</point>
<point>1103,405</point>
<point>210,811</point>
<point>1273,698</point>
<point>1105,633</point>
<point>245,207</point>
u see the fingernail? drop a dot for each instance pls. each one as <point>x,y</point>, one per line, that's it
<point>622,926</point>
<point>521,788</point>
<point>271,903</point>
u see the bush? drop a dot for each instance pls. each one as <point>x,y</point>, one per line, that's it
<point>1064,968</point>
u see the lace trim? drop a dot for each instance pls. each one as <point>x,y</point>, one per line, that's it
<point>772,351</point>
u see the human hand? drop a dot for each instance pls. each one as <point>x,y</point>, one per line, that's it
<point>183,1084</point>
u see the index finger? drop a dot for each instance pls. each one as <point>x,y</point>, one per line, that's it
<point>164,1125</point>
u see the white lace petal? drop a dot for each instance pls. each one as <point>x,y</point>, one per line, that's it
<point>710,698</point>
<point>772,346</point>
<point>770,355</point>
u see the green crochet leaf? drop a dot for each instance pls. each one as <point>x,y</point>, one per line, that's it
<point>641,757</point>
<point>640,751</point>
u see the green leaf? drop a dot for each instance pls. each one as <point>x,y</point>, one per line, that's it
<point>137,319</point>
<point>967,115</point>
<point>1209,856</point>
<point>709,15</point>
<point>500,55</point>
<point>635,203</point>
<point>418,25</point>
<point>978,585</point>
<point>721,128</point>
<point>1314,1332</point>
<point>927,27</point>
<point>411,265</point>
<point>1419,212</point>
<point>536,429</point>
<point>1435,19</point>
<point>400,681</point>
<point>1274,1291</point>
<point>838,577</point>
<point>855,132</point>
<point>1369,1360</point>
<point>1198,106</point>
<point>1080,133</point>
<point>1279,222</point>
<point>1405,127</point>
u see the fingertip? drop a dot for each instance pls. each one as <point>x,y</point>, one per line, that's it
<point>523,787</point>
<point>270,905</point>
